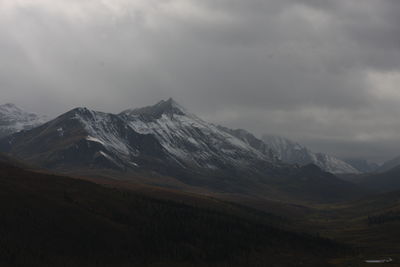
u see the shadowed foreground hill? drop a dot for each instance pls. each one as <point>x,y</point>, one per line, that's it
<point>47,220</point>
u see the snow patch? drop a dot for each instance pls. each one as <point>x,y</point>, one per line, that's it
<point>60,132</point>
<point>94,139</point>
<point>187,138</point>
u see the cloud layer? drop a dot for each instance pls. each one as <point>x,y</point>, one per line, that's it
<point>326,73</point>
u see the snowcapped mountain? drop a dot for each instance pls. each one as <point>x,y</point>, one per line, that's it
<point>81,138</point>
<point>164,133</point>
<point>294,153</point>
<point>190,141</point>
<point>169,142</point>
<point>13,119</point>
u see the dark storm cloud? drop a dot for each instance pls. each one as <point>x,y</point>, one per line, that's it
<point>322,72</point>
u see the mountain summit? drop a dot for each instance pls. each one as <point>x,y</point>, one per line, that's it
<point>165,107</point>
<point>189,140</point>
<point>14,119</point>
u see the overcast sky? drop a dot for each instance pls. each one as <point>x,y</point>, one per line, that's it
<point>325,73</point>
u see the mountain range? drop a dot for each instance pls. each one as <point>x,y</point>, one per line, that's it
<point>14,119</point>
<point>165,132</point>
<point>167,140</point>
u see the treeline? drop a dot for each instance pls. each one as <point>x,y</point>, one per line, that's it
<point>386,217</point>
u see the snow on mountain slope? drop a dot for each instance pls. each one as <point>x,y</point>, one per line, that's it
<point>165,140</point>
<point>82,138</point>
<point>113,139</point>
<point>190,140</point>
<point>161,136</point>
<point>105,129</point>
<point>252,141</point>
<point>14,119</point>
<point>165,131</point>
<point>294,153</point>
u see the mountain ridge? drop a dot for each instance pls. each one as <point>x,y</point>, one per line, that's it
<point>170,141</point>
<point>14,119</point>
<point>293,153</point>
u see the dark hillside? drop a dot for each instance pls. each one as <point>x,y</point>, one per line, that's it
<point>49,220</point>
<point>382,182</point>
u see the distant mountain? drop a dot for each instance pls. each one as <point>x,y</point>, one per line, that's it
<point>291,152</point>
<point>389,165</point>
<point>386,181</point>
<point>362,165</point>
<point>170,141</point>
<point>386,178</point>
<point>13,119</point>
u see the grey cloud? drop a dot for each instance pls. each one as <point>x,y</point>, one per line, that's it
<point>301,68</point>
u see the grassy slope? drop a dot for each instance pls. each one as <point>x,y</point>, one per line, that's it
<point>300,186</point>
<point>351,223</point>
<point>48,220</point>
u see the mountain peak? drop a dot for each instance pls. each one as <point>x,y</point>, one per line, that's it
<point>80,110</point>
<point>84,113</point>
<point>170,101</point>
<point>164,107</point>
<point>77,111</point>
<point>14,119</point>
<point>13,112</point>
<point>9,107</point>
<point>169,104</point>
